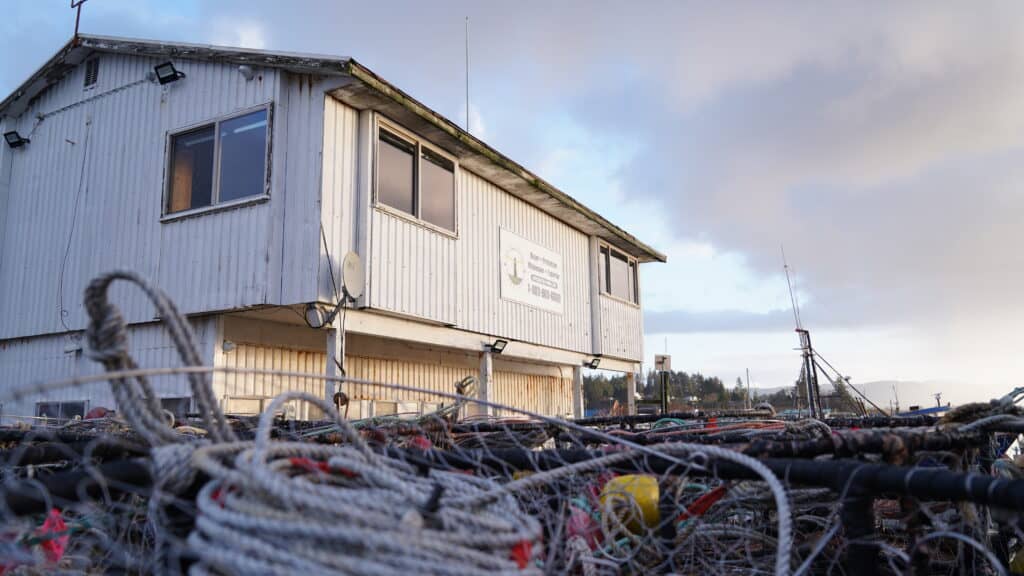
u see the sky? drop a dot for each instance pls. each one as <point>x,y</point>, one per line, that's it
<point>879,144</point>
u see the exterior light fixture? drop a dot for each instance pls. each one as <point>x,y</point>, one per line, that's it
<point>167,73</point>
<point>15,140</point>
<point>499,346</point>
<point>593,364</point>
<point>228,346</point>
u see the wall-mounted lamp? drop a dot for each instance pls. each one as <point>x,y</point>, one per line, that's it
<point>593,364</point>
<point>228,346</point>
<point>498,346</point>
<point>15,140</point>
<point>167,73</point>
<point>247,72</point>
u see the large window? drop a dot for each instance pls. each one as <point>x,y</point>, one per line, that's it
<point>618,275</point>
<point>415,179</point>
<point>220,162</point>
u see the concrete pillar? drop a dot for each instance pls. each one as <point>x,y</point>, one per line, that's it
<point>577,392</point>
<point>335,356</point>
<point>486,382</point>
<point>631,393</point>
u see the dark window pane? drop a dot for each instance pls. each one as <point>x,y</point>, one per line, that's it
<point>48,410</point>
<point>634,295</point>
<point>191,170</point>
<point>69,410</point>
<point>437,191</point>
<point>177,406</point>
<point>243,156</point>
<point>603,269</point>
<point>395,174</point>
<point>619,274</point>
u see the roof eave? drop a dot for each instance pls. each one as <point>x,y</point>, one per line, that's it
<point>612,233</point>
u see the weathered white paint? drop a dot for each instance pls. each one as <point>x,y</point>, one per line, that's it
<point>577,392</point>
<point>338,195</point>
<point>486,382</point>
<point>375,324</point>
<point>247,393</point>
<point>26,361</point>
<point>545,395</point>
<point>621,329</point>
<point>114,142</point>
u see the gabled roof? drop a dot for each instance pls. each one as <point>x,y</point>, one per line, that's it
<point>366,91</point>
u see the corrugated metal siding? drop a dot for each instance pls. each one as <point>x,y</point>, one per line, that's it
<point>340,152</point>
<point>215,261</point>
<point>235,387</point>
<point>483,208</point>
<point>419,272</point>
<point>42,359</point>
<point>413,269</point>
<point>421,375</point>
<point>622,329</point>
<point>297,204</point>
<point>545,395</point>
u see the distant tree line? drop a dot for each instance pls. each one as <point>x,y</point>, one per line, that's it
<point>600,390</point>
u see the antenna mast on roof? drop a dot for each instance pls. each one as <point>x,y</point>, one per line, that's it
<point>77,4</point>
<point>467,73</point>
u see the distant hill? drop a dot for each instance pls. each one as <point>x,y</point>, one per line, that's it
<point>920,393</point>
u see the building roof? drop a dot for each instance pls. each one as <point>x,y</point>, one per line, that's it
<point>366,91</point>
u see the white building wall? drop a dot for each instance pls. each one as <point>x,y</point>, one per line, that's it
<point>28,361</point>
<point>622,329</point>
<point>338,194</point>
<point>483,209</point>
<point>57,234</point>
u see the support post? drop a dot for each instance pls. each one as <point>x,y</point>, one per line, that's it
<point>335,357</point>
<point>486,381</point>
<point>577,392</point>
<point>631,393</point>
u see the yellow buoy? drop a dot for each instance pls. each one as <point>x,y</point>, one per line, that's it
<point>634,500</point>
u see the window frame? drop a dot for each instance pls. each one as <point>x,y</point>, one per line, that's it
<point>61,403</point>
<point>605,250</point>
<point>215,205</point>
<point>419,144</point>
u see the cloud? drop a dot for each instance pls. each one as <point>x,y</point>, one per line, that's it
<point>688,322</point>
<point>239,32</point>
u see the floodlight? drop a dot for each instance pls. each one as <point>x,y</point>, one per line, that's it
<point>499,346</point>
<point>167,73</point>
<point>15,140</point>
<point>593,364</point>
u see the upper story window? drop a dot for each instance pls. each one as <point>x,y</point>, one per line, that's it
<point>220,162</point>
<point>415,178</point>
<point>618,275</point>
<point>92,72</point>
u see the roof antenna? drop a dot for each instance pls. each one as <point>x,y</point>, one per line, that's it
<point>792,295</point>
<point>77,4</point>
<point>467,73</point>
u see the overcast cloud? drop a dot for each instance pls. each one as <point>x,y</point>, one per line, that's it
<point>880,143</point>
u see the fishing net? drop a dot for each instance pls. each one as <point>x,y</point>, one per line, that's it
<point>460,491</point>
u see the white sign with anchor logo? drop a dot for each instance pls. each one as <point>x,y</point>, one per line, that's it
<point>530,273</point>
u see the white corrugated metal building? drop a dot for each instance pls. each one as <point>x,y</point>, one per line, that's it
<point>239,186</point>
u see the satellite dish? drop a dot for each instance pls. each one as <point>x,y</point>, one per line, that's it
<point>353,279</point>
